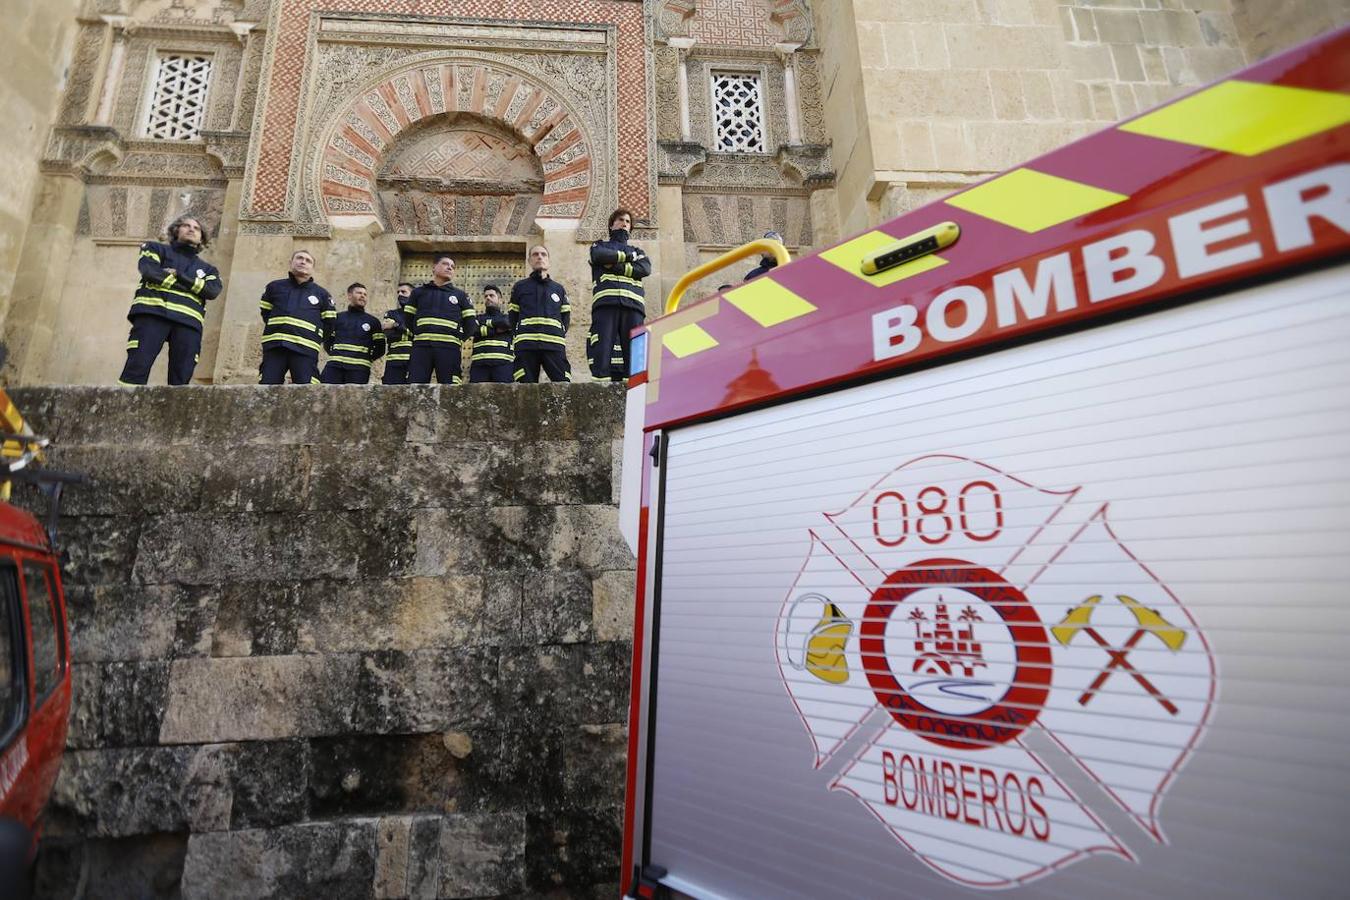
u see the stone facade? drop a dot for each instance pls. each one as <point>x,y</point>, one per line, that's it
<point>360,642</point>
<point>316,109</point>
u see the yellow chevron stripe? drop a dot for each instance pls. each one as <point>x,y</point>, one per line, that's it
<point>1032,201</point>
<point>689,340</point>
<point>768,302</point>
<point>849,256</point>
<point>1245,118</point>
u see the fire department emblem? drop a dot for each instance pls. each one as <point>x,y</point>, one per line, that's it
<point>958,638</point>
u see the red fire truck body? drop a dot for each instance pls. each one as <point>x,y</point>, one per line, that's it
<point>1019,565</point>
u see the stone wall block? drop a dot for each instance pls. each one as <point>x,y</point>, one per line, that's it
<point>123,622</point>
<point>130,480</point>
<point>249,478</point>
<point>260,698</point>
<point>142,790</point>
<point>612,597</point>
<point>425,691</point>
<point>564,684</point>
<point>574,848</point>
<point>333,860</point>
<point>392,836</point>
<point>482,854</point>
<point>594,765</point>
<point>550,472</point>
<point>585,537</point>
<point>270,783</point>
<point>412,477</point>
<point>556,607</point>
<point>383,774</point>
<point>85,719</point>
<point>131,702</point>
<point>397,614</point>
<point>149,866</point>
<point>98,549</point>
<point>257,619</point>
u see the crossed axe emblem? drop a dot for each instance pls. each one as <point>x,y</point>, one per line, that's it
<point>1149,621</point>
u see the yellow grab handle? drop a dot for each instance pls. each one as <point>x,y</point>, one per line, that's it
<point>762,246</point>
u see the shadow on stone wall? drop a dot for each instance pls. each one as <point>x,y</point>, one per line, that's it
<point>341,642</point>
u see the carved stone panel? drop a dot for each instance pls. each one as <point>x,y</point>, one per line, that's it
<point>728,220</point>
<point>135,212</point>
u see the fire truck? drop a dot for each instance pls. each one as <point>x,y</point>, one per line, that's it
<point>1004,546</point>
<point>34,648</point>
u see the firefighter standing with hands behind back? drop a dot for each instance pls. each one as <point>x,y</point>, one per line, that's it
<point>298,317</point>
<point>493,360</point>
<point>170,304</point>
<point>357,341</point>
<point>398,337</point>
<point>540,313</point>
<point>440,315</point>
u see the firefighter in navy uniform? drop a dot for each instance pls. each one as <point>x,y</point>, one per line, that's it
<point>440,316</point>
<point>493,361</point>
<point>170,304</point>
<point>298,318</point>
<point>540,313</point>
<point>617,301</point>
<point>399,338</point>
<point>357,341</point>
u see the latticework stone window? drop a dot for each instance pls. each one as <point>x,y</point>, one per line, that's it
<point>178,97</point>
<point>738,111</point>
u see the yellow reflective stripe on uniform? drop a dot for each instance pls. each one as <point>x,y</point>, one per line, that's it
<point>442,338</point>
<point>188,311</point>
<point>501,357</point>
<point>518,374</point>
<point>163,288</point>
<point>566,307</point>
<point>491,342</point>
<point>211,278</point>
<point>292,338</point>
<point>513,307</point>
<point>628,270</point>
<point>543,338</point>
<point>329,314</point>
<point>592,338</point>
<point>350,360</point>
<point>152,254</point>
<point>264,304</point>
<point>354,348</point>
<point>617,292</point>
<point>197,285</point>
<point>132,345</point>
<point>620,278</point>
<point>397,357</point>
<point>435,320</point>
<point>541,320</point>
<point>289,320</point>
<point>169,282</point>
<point>465,313</point>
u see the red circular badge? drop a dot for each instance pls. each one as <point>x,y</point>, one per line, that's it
<point>949,661</point>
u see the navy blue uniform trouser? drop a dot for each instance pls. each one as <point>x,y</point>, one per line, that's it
<point>336,373</point>
<point>609,340</point>
<point>277,361</point>
<point>395,372</point>
<point>148,334</point>
<point>553,362</point>
<point>443,359</point>
<point>491,373</point>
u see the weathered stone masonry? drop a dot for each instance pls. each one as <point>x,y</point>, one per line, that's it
<point>345,643</point>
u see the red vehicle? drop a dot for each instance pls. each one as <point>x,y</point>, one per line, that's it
<point>34,655</point>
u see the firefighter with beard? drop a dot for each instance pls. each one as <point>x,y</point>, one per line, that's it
<point>398,337</point>
<point>493,361</point>
<point>357,341</point>
<point>170,304</point>
<point>540,313</point>
<point>618,304</point>
<point>440,316</point>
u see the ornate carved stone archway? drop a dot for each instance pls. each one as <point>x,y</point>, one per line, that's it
<point>368,126</point>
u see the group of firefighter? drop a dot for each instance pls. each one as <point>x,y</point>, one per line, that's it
<point>514,337</point>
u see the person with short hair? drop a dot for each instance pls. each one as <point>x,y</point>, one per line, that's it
<point>358,340</point>
<point>492,361</point>
<point>766,263</point>
<point>170,303</point>
<point>540,313</point>
<point>618,304</point>
<point>298,319</point>
<point>399,338</point>
<point>440,316</point>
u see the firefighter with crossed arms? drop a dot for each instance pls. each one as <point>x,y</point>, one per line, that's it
<point>540,313</point>
<point>298,319</point>
<point>618,304</point>
<point>358,340</point>
<point>170,303</point>
<point>493,361</point>
<point>399,338</point>
<point>440,316</point>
